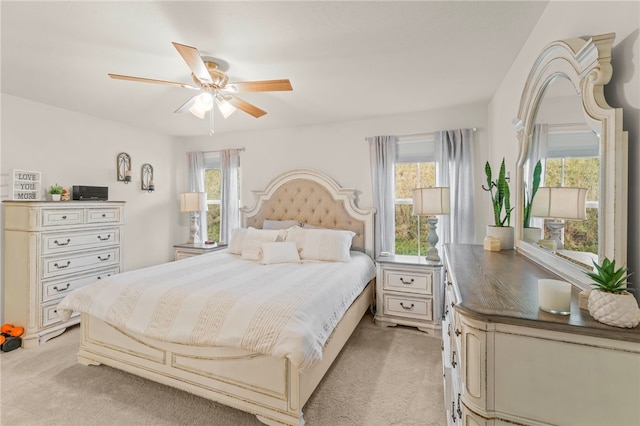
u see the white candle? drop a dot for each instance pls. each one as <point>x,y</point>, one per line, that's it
<point>554,296</point>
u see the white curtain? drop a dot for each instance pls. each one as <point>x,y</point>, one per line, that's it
<point>538,148</point>
<point>382,151</point>
<point>454,164</point>
<point>229,210</point>
<point>195,181</point>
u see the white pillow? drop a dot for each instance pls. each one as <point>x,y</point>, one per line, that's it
<point>322,244</point>
<point>237,240</point>
<point>252,246</point>
<point>279,252</point>
<point>279,224</point>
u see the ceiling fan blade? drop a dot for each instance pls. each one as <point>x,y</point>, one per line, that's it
<point>245,106</point>
<point>151,80</point>
<point>261,86</point>
<point>192,57</point>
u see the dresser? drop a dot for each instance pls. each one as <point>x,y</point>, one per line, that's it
<point>507,362</point>
<point>51,248</point>
<point>408,292</point>
<point>183,251</point>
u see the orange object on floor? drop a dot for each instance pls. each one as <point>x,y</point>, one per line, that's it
<point>6,328</point>
<point>16,331</point>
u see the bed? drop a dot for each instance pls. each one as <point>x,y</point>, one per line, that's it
<point>272,384</point>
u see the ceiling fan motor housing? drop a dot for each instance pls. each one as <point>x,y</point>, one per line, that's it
<point>218,78</point>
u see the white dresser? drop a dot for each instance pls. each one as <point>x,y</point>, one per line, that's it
<point>507,362</point>
<point>51,248</point>
<point>408,292</point>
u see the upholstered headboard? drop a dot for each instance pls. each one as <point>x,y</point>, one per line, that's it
<point>313,198</point>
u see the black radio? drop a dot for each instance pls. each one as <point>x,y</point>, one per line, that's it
<point>90,193</point>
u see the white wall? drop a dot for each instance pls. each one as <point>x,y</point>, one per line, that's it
<point>562,20</point>
<point>75,149</point>
<point>339,150</point>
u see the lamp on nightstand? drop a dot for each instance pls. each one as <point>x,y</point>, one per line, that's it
<point>193,203</point>
<point>431,202</point>
<point>559,203</point>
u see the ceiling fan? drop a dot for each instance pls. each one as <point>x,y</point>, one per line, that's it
<point>214,86</point>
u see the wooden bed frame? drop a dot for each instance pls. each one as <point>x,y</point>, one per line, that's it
<point>270,387</point>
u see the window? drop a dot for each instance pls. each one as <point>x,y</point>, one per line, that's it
<point>415,168</point>
<point>569,166</point>
<point>213,186</point>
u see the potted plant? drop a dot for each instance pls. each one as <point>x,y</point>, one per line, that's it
<point>501,201</point>
<point>609,301</point>
<point>529,233</point>
<point>56,192</point>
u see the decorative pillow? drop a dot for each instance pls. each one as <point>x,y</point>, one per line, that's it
<point>252,246</point>
<point>279,224</point>
<point>279,252</point>
<point>237,240</point>
<point>322,244</point>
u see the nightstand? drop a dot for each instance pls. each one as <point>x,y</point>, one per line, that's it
<point>182,251</point>
<point>409,292</point>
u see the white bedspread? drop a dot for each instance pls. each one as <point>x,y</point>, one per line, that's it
<point>285,310</point>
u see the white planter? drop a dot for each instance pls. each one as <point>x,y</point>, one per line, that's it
<point>55,197</point>
<point>618,310</point>
<point>531,235</point>
<point>504,234</point>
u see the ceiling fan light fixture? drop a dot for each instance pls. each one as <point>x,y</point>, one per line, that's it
<point>197,111</point>
<point>226,109</point>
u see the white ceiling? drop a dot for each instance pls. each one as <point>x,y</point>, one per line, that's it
<point>346,60</point>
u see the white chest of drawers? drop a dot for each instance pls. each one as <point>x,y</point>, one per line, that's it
<point>51,248</point>
<point>408,293</point>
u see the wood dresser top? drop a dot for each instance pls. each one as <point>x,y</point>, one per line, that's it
<point>502,287</point>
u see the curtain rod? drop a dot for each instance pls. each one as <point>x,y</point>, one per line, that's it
<point>218,150</point>
<point>475,129</point>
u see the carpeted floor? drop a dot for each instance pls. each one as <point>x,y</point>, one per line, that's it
<point>382,377</point>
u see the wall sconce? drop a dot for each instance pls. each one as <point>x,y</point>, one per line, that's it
<point>123,164</point>
<point>147,178</point>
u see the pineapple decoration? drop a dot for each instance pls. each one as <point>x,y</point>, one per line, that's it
<point>609,301</point>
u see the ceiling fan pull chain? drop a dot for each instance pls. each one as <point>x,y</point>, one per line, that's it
<point>211,121</point>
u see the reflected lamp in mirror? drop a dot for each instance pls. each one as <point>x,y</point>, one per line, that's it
<point>559,203</point>
<point>193,203</point>
<point>431,202</point>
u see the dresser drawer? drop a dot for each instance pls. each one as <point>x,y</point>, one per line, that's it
<point>79,240</point>
<point>62,217</point>
<point>70,263</point>
<point>408,281</point>
<point>408,307</point>
<point>103,215</point>
<point>57,289</point>
<point>50,316</point>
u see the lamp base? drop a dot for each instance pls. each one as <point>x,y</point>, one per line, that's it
<point>556,231</point>
<point>193,236</point>
<point>432,239</point>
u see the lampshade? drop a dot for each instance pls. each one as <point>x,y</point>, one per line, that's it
<point>193,202</point>
<point>560,203</point>
<point>431,201</point>
<point>202,104</point>
<point>226,109</point>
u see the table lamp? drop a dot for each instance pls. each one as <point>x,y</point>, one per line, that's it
<point>193,203</point>
<point>430,202</point>
<point>559,203</point>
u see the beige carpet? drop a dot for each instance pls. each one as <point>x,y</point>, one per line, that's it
<point>382,377</point>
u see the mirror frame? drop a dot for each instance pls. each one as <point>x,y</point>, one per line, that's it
<point>587,64</point>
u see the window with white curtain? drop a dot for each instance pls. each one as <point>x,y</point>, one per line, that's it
<point>415,168</point>
<point>213,186</point>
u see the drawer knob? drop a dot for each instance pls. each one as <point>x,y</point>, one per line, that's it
<point>64,217</point>
<point>105,238</point>
<point>55,287</point>
<point>409,282</point>
<point>459,410</point>
<point>99,277</point>
<point>457,332</point>
<point>102,259</point>
<point>453,359</point>
<point>104,215</point>
<point>62,244</point>
<point>408,308</point>
<point>62,266</point>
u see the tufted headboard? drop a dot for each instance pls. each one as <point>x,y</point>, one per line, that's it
<point>311,197</point>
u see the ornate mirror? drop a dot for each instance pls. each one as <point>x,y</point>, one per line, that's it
<point>565,124</point>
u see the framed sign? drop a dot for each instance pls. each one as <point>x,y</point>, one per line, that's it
<point>26,185</point>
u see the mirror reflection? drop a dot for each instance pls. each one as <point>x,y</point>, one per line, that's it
<point>565,149</point>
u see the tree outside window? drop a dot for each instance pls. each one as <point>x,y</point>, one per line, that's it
<point>212,184</point>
